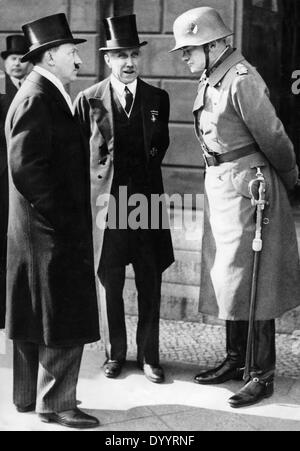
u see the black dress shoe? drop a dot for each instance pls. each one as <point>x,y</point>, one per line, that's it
<point>252,393</point>
<point>113,368</point>
<point>71,419</point>
<point>225,372</point>
<point>26,409</point>
<point>154,373</point>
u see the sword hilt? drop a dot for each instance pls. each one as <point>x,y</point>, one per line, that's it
<point>257,190</point>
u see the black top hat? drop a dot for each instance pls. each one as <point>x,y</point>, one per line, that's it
<point>121,33</point>
<point>46,33</point>
<point>16,44</point>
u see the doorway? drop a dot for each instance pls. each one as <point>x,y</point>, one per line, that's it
<point>271,33</point>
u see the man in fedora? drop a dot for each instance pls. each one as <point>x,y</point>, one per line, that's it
<point>125,121</point>
<point>51,294</point>
<point>15,72</point>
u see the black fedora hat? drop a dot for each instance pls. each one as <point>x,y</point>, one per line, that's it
<point>16,44</point>
<point>46,33</point>
<point>121,33</point>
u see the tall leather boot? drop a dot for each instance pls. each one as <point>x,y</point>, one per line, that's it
<point>233,365</point>
<point>261,382</point>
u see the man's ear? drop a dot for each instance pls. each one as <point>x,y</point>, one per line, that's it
<point>212,45</point>
<point>107,59</point>
<point>49,58</point>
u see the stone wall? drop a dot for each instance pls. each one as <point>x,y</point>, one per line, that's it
<point>84,19</point>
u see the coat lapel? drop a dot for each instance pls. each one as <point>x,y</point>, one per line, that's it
<point>199,102</point>
<point>149,104</point>
<point>10,89</point>
<point>101,105</point>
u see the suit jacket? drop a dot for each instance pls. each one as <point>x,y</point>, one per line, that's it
<point>94,108</point>
<point>51,296</point>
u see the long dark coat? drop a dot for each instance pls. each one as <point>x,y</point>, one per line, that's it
<point>5,101</point>
<point>51,294</point>
<point>233,111</point>
<point>94,107</point>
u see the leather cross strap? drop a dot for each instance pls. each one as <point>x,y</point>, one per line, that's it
<point>214,159</point>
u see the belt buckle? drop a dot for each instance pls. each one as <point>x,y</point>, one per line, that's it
<point>210,160</point>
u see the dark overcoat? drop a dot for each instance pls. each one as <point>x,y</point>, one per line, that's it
<point>5,101</point>
<point>94,107</point>
<point>51,294</point>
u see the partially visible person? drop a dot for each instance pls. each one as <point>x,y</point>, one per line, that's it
<point>3,221</point>
<point>240,136</point>
<point>15,74</point>
<point>51,295</point>
<point>16,71</point>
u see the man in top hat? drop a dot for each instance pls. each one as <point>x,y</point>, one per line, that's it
<point>15,70</point>
<point>15,73</point>
<point>125,121</point>
<point>241,137</point>
<point>51,296</point>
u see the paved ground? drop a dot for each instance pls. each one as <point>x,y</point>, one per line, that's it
<point>131,403</point>
<point>203,345</point>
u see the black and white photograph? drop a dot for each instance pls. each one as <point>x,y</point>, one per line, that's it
<point>149,218</point>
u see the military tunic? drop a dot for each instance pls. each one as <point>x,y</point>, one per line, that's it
<point>233,111</point>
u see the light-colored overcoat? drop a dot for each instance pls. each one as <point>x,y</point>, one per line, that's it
<point>95,111</point>
<point>232,111</point>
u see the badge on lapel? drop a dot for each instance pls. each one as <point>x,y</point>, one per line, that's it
<point>154,115</point>
<point>153,152</point>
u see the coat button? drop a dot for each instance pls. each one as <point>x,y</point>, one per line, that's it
<point>99,176</point>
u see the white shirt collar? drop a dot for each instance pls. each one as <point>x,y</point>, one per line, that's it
<point>56,81</point>
<point>16,81</point>
<point>119,87</point>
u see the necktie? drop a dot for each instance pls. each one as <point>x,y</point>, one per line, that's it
<point>128,99</point>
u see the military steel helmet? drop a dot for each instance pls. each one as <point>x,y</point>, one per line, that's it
<point>199,26</point>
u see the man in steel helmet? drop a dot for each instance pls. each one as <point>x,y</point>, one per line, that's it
<point>239,132</point>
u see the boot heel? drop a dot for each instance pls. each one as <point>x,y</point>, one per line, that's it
<point>239,375</point>
<point>269,390</point>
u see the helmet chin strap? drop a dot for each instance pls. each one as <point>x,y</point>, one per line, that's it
<point>206,52</point>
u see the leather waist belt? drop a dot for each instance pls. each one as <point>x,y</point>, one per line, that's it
<point>215,159</point>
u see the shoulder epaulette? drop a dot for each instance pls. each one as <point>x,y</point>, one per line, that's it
<point>241,69</point>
